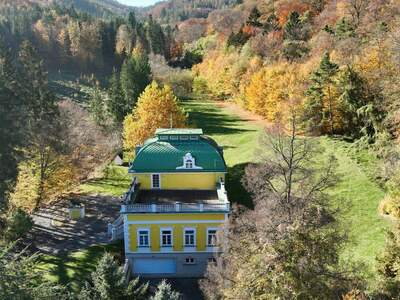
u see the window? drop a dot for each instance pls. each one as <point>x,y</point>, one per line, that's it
<point>190,261</point>
<point>166,238</point>
<point>155,181</point>
<point>183,137</point>
<point>194,137</point>
<point>211,237</point>
<point>143,237</point>
<point>173,137</point>
<point>189,164</point>
<point>164,137</point>
<point>190,237</point>
<point>212,260</point>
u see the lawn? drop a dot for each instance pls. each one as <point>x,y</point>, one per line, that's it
<point>115,182</point>
<point>74,268</point>
<point>357,194</point>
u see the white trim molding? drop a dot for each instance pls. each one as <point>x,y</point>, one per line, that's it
<point>166,248</point>
<point>189,163</point>
<point>138,230</point>
<point>216,231</point>
<point>189,247</point>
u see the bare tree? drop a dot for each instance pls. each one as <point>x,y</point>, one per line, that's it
<point>288,246</point>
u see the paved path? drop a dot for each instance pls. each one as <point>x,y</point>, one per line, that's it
<point>54,232</point>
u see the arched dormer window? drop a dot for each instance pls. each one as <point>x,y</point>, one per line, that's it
<point>189,162</point>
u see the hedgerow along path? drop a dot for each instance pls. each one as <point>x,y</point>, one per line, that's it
<point>356,194</point>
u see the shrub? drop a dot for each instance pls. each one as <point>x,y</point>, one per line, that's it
<point>18,224</point>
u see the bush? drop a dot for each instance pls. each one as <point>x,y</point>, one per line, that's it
<point>18,224</point>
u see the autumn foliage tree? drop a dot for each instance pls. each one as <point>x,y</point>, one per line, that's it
<point>157,107</point>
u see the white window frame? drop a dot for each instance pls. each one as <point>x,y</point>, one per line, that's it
<point>163,137</point>
<point>216,232</point>
<point>184,138</point>
<point>188,157</point>
<point>172,237</point>
<point>148,237</point>
<point>194,237</point>
<point>192,262</point>
<point>159,180</point>
<point>174,137</point>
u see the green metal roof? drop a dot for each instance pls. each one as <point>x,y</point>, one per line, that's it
<point>166,155</point>
<point>179,131</point>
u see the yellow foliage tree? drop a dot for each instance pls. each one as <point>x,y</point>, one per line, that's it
<point>37,186</point>
<point>270,89</point>
<point>157,107</point>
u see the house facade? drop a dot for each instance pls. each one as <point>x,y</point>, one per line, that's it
<point>176,204</point>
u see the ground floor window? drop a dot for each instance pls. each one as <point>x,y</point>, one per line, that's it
<point>143,238</point>
<point>212,260</point>
<point>166,237</point>
<point>190,237</point>
<point>190,261</point>
<point>211,237</point>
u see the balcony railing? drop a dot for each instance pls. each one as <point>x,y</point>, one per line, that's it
<point>177,207</point>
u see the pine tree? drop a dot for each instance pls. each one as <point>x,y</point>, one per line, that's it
<point>253,18</point>
<point>293,26</point>
<point>12,120</point>
<point>43,116</point>
<point>115,104</point>
<point>108,283</point>
<point>96,105</point>
<point>135,76</point>
<point>272,24</point>
<point>319,108</point>
<point>344,29</point>
<point>388,264</point>
<point>165,292</point>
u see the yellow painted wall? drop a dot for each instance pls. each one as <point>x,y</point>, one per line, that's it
<point>201,235</point>
<point>182,181</point>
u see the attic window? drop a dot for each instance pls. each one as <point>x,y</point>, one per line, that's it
<point>189,162</point>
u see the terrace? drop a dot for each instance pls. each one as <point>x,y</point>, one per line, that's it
<point>162,201</point>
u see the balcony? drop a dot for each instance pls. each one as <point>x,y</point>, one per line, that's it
<point>177,207</point>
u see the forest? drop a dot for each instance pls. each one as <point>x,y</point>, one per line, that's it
<point>81,81</point>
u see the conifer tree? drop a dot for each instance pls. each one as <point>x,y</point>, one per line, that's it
<point>253,18</point>
<point>135,76</point>
<point>388,264</point>
<point>115,104</point>
<point>165,292</point>
<point>108,283</point>
<point>12,112</point>
<point>43,115</point>
<point>319,106</point>
<point>96,105</point>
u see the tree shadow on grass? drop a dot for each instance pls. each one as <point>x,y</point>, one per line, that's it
<point>236,192</point>
<point>74,268</point>
<point>213,121</point>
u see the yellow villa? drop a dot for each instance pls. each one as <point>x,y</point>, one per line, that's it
<point>176,204</point>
